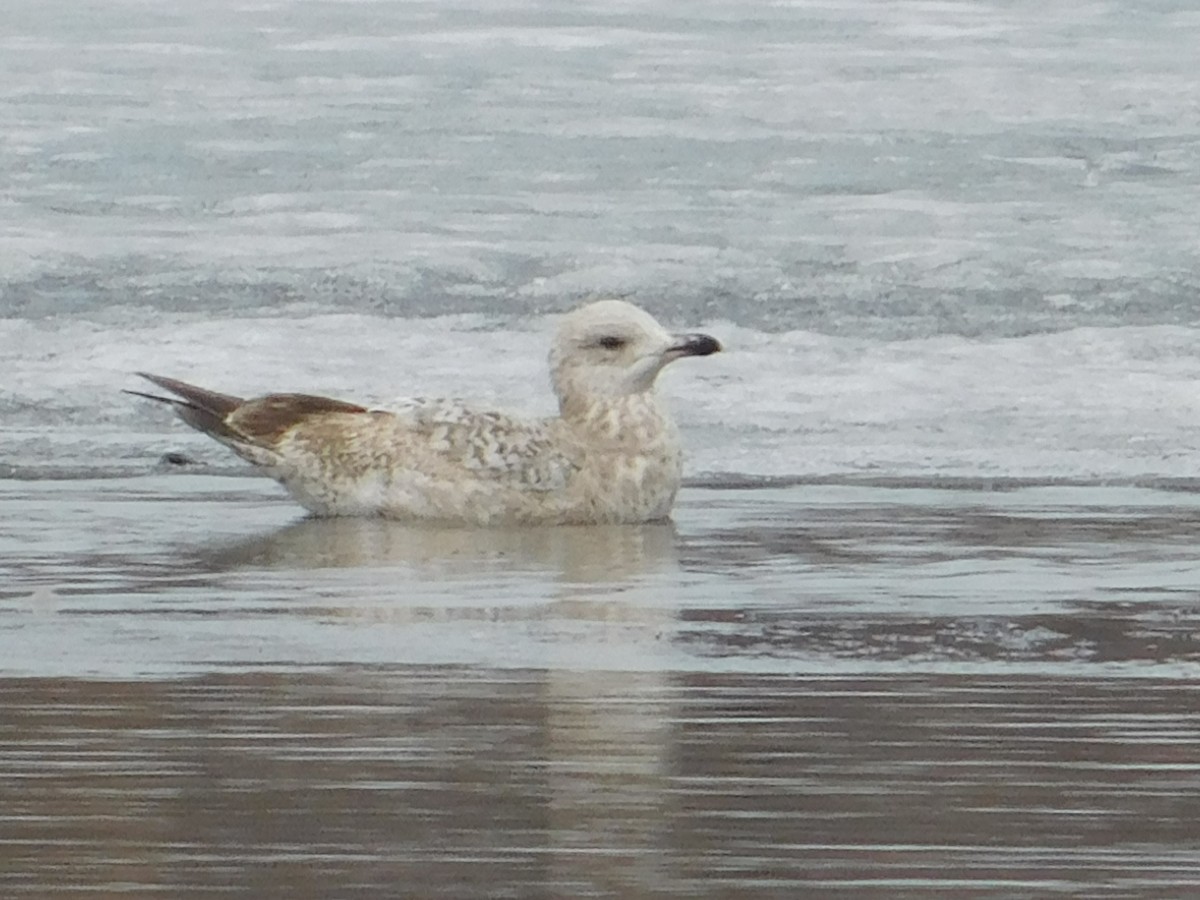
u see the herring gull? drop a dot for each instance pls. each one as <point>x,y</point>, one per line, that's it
<point>612,455</point>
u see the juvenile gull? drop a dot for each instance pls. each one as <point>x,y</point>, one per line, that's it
<point>612,455</point>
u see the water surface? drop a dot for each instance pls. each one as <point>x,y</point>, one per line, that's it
<point>925,623</point>
<point>853,690</point>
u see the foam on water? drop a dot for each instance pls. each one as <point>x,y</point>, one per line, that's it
<point>899,169</point>
<point>1091,404</point>
<point>939,239</point>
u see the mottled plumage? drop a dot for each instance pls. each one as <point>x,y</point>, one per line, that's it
<point>611,456</point>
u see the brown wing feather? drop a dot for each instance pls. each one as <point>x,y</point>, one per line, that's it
<point>218,404</point>
<point>203,409</point>
<point>266,419</point>
<point>261,421</point>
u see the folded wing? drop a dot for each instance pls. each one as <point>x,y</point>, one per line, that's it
<point>324,437</point>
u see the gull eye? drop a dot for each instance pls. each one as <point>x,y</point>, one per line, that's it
<point>611,342</point>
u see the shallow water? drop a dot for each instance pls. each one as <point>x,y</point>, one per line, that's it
<point>926,621</point>
<point>839,689</point>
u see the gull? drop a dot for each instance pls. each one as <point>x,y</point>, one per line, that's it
<point>611,456</point>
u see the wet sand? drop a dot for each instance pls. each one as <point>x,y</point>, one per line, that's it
<point>824,690</point>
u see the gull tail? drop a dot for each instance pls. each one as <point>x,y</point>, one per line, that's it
<point>204,410</point>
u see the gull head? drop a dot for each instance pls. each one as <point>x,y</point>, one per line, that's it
<point>611,349</point>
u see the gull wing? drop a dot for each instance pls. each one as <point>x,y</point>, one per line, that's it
<point>445,440</point>
<point>524,453</point>
<point>247,426</point>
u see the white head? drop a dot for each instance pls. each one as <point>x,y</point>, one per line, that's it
<point>610,349</point>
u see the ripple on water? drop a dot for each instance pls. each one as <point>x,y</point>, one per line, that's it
<point>849,690</point>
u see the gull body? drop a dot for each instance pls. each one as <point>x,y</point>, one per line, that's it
<point>612,455</point>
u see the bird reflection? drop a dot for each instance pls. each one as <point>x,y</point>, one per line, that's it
<point>585,615</point>
<point>588,554</point>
